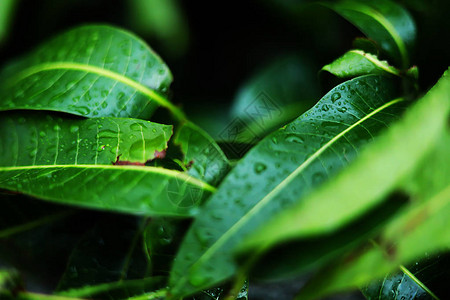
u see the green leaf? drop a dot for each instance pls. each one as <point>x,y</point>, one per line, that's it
<point>33,139</point>
<point>357,62</point>
<point>154,190</point>
<point>51,158</point>
<point>204,158</point>
<point>385,22</point>
<point>412,156</point>
<point>6,13</point>
<point>389,161</point>
<point>276,95</point>
<point>280,170</point>
<point>92,71</point>
<point>420,280</point>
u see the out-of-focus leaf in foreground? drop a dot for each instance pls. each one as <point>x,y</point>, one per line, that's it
<point>277,172</point>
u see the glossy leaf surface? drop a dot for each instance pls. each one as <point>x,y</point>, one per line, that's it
<point>92,71</point>
<point>202,156</point>
<point>156,191</point>
<point>32,139</point>
<point>357,62</point>
<point>425,279</point>
<point>385,22</point>
<point>278,172</point>
<point>418,229</point>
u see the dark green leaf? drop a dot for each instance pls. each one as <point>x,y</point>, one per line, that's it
<point>418,281</point>
<point>279,171</point>
<point>385,22</point>
<point>92,71</point>
<point>356,62</point>
<point>202,156</point>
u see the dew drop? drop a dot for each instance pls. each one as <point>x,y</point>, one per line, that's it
<point>74,128</point>
<point>260,167</point>
<point>42,134</point>
<point>274,140</point>
<point>104,105</point>
<point>335,96</point>
<point>135,126</point>
<point>120,95</point>
<point>70,84</point>
<point>325,107</point>
<point>342,109</point>
<point>56,128</point>
<point>104,93</point>
<point>294,139</point>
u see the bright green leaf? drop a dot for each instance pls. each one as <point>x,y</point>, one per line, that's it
<point>32,139</point>
<point>357,62</point>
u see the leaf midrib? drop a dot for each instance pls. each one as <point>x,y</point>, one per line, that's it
<point>145,169</point>
<point>223,239</point>
<point>64,65</point>
<point>376,62</point>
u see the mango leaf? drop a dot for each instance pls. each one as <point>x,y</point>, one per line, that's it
<point>415,231</point>
<point>389,165</point>
<point>276,95</point>
<point>203,157</point>
<point>154,190</point>
<point>420,280</point>
<point>91,71</point>
<point>357,62</point>
<point>281,169</point>
<point>385,22</point>
<point>32,139</point>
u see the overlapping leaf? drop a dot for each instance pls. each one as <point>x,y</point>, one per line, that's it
<point>385,22</point>
<point>278,172</point>
<point>202,155</point>
<point>60,161</point>
<point>411,156</point>
<point>357,62</point>
<point>32,139</point>
<point>92,71</point>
